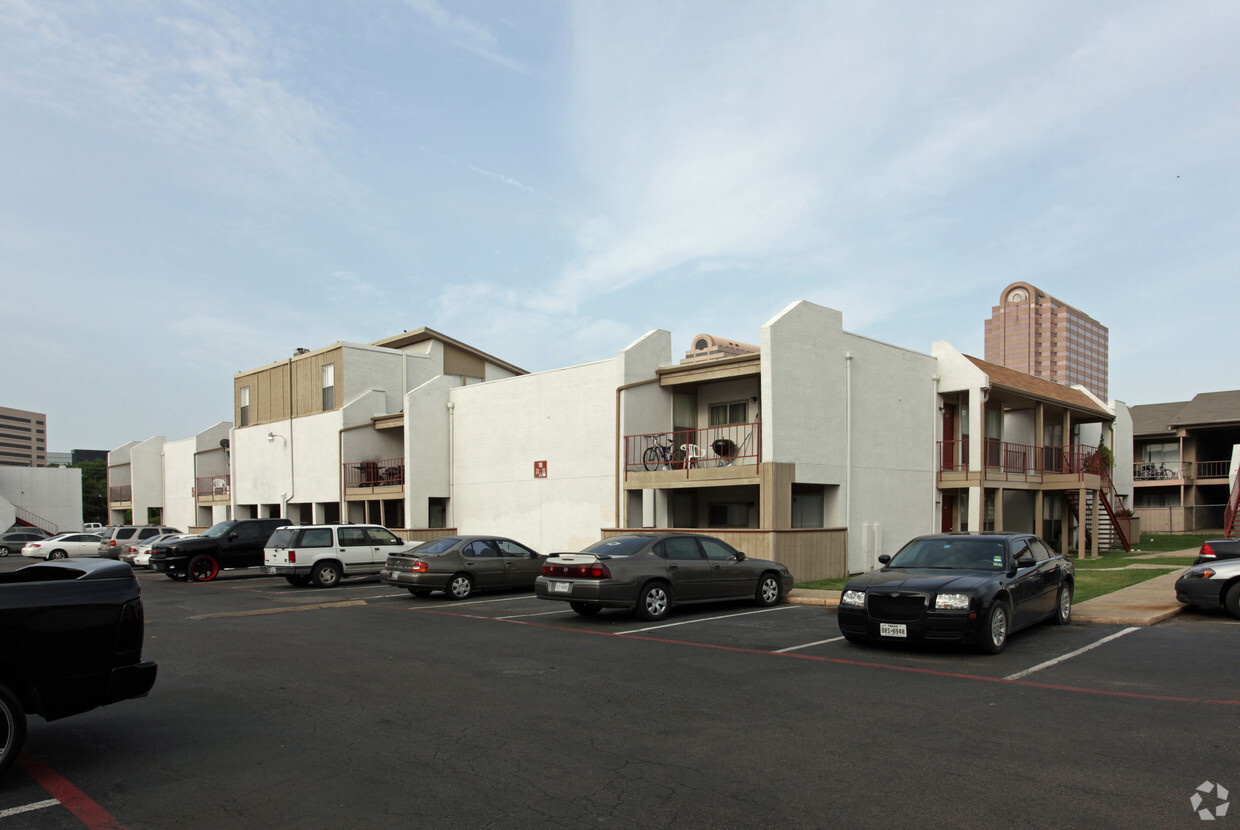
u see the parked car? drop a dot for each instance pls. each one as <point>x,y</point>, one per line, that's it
<point>1211,585</point>
<point>116,540</point>
<point>12,541</point>
<point>142,550</point>
<point>325,554</point>
<point>460,565</point>
<point>236,543</point>
<point>1215,550</point>
<point>653,572</point>
<point>63,545</point>
<point>92,527</point>
<point>953,587</point>
<point>70,640</point>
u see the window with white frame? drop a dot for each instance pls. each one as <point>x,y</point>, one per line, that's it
<point>244,396</point>
<point>723,414</point>
<point>329,386</point>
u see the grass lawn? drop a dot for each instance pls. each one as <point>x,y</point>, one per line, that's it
<point>1095,577</point>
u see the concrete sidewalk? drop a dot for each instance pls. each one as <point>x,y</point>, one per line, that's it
<point>1146,603</point>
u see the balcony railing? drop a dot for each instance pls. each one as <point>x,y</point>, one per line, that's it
<point>387,472</point>
<point>688,449</point>
<point>1020,459</point>
<point>121,493</point>
<point>217,485</point>
<point>1179,470</point>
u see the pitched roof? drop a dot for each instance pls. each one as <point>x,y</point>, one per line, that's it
<point>1205,409</point>
<point>1036,387</point>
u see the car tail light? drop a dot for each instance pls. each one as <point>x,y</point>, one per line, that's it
<point>1207,552</point>
<point>292,556</point>
<point>419,567</point>
<point>594,570</point>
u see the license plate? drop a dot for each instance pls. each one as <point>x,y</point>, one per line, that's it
<point>561,587</point>
<point>892,630</point>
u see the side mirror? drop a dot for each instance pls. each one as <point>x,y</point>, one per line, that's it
<point>232,536</point>
<point>740,557</point>
<point>1026,561</point>
<point>883,559</point>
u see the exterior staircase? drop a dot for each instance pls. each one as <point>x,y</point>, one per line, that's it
<point>1233,502</point>
<point>28,519</point>
<point>1112,533</point>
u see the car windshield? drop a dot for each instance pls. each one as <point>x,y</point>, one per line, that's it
<point>216,531</point>
<point>437,545</point>
<point>951,554</point>
<point>618,546</point>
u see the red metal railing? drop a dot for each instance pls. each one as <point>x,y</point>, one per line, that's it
<point>689,449</point>
<point>1233,504</point>
<point>1020,459</point>
<point>26,517</point>
<point>217,485</point>
<point>121,493</point>
<point>387,472</point>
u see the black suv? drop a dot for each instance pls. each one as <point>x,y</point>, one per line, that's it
<point>237,543</point>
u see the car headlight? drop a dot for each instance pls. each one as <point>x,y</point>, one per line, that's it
<point>856,598</point>
<point>1204,573</point>
<point>952,602</point>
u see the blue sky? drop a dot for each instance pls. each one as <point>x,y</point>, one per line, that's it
<point>190,189</point>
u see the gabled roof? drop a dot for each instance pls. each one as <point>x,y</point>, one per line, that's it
<point>1035,387</point>
<point>1206,409</point>
<point>408,338</point>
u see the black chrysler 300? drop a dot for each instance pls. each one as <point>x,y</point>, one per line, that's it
<point>970,588</point>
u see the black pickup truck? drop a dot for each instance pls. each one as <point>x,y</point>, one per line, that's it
<point>236,543</point>
<point>70,640</point>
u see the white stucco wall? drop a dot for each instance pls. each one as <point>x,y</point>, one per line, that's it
<point>180,507</point>
<point>51,493</point>
<point>427,449</point>
<point>856,413</point>
<point>499,430</point>
<point>147,471</point>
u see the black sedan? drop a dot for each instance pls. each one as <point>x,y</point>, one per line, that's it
<point>651,573</point>
<point>1216,550</point>
<point>970,588</point>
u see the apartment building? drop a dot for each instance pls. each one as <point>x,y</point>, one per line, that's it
<point>1032,332</point>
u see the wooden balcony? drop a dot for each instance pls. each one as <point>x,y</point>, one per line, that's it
<point>383,478</point>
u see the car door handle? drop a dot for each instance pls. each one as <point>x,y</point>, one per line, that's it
<point>673,567</point>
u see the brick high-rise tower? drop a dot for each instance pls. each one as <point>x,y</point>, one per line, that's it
<point>1033,332</point>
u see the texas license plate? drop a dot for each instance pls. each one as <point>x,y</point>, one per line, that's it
<point>892,630</point>
<point>561,587</point>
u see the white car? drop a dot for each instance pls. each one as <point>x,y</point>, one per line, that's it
<point>63,546</point>
<point>138,555</point>
<point>1211,585</point>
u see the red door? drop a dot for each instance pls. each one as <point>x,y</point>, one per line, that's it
<point>949,513</point>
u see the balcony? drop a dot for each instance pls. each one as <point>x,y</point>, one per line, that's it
<point>213,489</point>
<point>121,495</point>
<point>382,477</point>
<point>1176,472</point>
<point>1008,461</point>
<point>720,453</point>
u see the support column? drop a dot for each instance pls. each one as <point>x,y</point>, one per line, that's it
<point>999,510</point>
<point>1080,522</point>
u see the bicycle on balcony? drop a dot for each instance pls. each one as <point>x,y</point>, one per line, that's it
<point>660,456</point>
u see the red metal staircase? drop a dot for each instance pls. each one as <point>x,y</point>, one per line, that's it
<point>1107,497</point>
<point>1233,502</point>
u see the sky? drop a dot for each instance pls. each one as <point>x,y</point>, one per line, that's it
<point>193,188</point>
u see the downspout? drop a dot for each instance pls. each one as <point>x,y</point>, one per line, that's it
<point>848,358</point>
<point>292,465</point>
<point>450,519</point>
<point>619,459</point>
<point>936,421</point>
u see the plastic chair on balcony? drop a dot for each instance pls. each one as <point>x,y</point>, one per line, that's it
<point>694,455</point>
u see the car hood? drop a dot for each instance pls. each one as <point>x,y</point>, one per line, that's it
<point>922,579</point>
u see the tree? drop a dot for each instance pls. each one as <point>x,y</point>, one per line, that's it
<point>94,490</point>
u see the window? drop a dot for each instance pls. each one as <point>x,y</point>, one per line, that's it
<point>513,550</point>
<point>480,549</point>
<point>352,537</point>
<point>319,537</point>
<point>681,549</point>
<point>329,386</point>
<point>729,413</point>
<point>717,551</point>
<point>383,536</point>
<point>244,419</point>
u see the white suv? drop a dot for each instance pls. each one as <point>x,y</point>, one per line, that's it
<point>324,554</point>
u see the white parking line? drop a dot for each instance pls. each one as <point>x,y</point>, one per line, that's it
<point>808,645</point>
<point>1070,654</point>
<point>523,616</point>
<point>26,808</point>
<point>705,619</point>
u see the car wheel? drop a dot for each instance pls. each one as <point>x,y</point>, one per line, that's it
<point>299,580</point>
<point>4,551</point>
<point>460,586</point>
<point>995,629</point>
<point>585,609</point>
<point>326,575</point>
<point>177,577</point>
<point>653,603</point>
<point>768,592</point>
<point>1063,605</point>
<point>420,592</point>
<point>12,728</point>
<point>854,638</point>
<point>58,554</point>
<point>1231,600</point>
<point>202,569</point>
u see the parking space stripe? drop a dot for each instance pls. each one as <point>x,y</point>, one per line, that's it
<point>705,619</point>
<point>523,616</point>
<point>27,808</point>
<point>808,645</point>
<point>1070,654</point>
<point>82,806</point>
<point>260,611</point>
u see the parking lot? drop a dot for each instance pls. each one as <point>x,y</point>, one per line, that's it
<point>362,706</point>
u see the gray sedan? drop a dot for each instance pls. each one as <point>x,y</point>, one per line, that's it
<point>651,573</point>
<point>460,565</point>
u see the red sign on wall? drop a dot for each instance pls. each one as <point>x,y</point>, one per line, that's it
<point>540,469</point>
